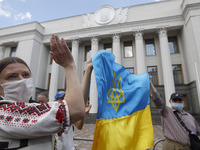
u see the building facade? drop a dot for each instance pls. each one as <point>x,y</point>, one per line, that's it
<point>161,38</point>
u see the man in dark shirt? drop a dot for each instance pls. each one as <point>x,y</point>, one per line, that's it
<point>176,136</point>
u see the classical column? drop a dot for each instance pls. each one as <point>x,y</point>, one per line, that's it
<point>54,81</point>
<point>2,51</point>
<point>94,45</point>
<point>140,52</point>
<point>93,87</point>
<point>75,48</point>
<point>116,48</point>
<point>166,64</point>
<point>7,52</point>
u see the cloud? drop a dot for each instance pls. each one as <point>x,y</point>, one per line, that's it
<point>21,16</point>
<point>4,13</point>
<point>4,10</point>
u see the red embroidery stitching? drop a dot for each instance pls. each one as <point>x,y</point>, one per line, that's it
<point>61,114</point>
<point>20,107</point>
<point>9,118</point>
<point>25,120</point>
<point>33,121</point>
<point>1,117</point>
<point>20,114</point>
<point>17,119</point>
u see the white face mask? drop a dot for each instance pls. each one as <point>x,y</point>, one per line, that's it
<point>177,106</point>
<point>20,90</point>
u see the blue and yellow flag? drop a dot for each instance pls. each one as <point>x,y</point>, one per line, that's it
<point>123,117</point>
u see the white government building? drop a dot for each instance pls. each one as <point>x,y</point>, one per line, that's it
<point>162,38</point>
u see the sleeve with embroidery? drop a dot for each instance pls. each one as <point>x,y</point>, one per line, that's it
<point>21,120</point>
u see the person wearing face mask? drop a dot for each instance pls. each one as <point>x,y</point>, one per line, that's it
<point>176,136</point>
<point>25,125</point>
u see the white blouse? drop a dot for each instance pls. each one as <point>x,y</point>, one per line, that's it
<point>19,120</point>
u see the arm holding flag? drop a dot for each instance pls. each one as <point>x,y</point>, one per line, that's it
<point>157,100</point>
<point>79,124</point>
<point>86,79</point>
<point>85,87</point>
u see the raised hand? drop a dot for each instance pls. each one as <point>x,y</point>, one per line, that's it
<point>74,94</point>
<point>60,52</point>
<point>87,109</point>
<point>89,65</point>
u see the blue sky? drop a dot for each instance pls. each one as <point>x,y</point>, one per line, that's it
<point>15,12</point>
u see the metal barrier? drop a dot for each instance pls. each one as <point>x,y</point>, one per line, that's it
<point>156,143</point>
<point>83,139</point>
<point>90,139</point>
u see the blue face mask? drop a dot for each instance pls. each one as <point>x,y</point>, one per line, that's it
<point>177,106</point>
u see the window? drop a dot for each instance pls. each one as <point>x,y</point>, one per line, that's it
<point>131,70</point>
<point>70,48</point>
<point>185,101</point>
<point>128,49</point>
<point>65,84</point>
<point>88,102</point>
<point>49,80</point>
<point>173,44</point>
<point>177,73</point>
<point>87,52</point>
<point>107,46</point>
<point>51,60</point>
<point>150,47</point>
<point>13,51</point>
<point>152,70</point>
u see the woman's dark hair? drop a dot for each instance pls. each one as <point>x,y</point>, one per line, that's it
<point>11,60</point>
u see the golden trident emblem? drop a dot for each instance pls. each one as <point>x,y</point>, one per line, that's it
<point>116,95</point>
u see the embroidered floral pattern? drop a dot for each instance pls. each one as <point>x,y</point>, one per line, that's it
<point>61,114</point>
<point>25,120</point>
<point>33,121</point>
<point>17,119</point>
<point>20,114</point>
<point>1,117</point>
<point>9,118</point>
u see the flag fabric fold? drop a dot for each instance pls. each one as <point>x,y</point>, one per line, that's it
<point>123,118</point>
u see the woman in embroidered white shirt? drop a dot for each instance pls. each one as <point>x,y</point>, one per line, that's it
<point>20,119</point>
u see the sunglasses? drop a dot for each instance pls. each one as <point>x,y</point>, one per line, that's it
<point>177,100</point>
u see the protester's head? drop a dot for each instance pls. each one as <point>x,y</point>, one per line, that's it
<point>15,79</point>
<point>42,97</point>
<point>176,101</point>
<point>60,95</point>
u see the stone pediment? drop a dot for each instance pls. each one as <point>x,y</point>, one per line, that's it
<point>105,15</point>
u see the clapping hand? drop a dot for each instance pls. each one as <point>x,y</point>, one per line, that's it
<point>60,52</point>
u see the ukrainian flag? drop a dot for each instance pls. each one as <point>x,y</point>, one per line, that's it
<point>123,118</point>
